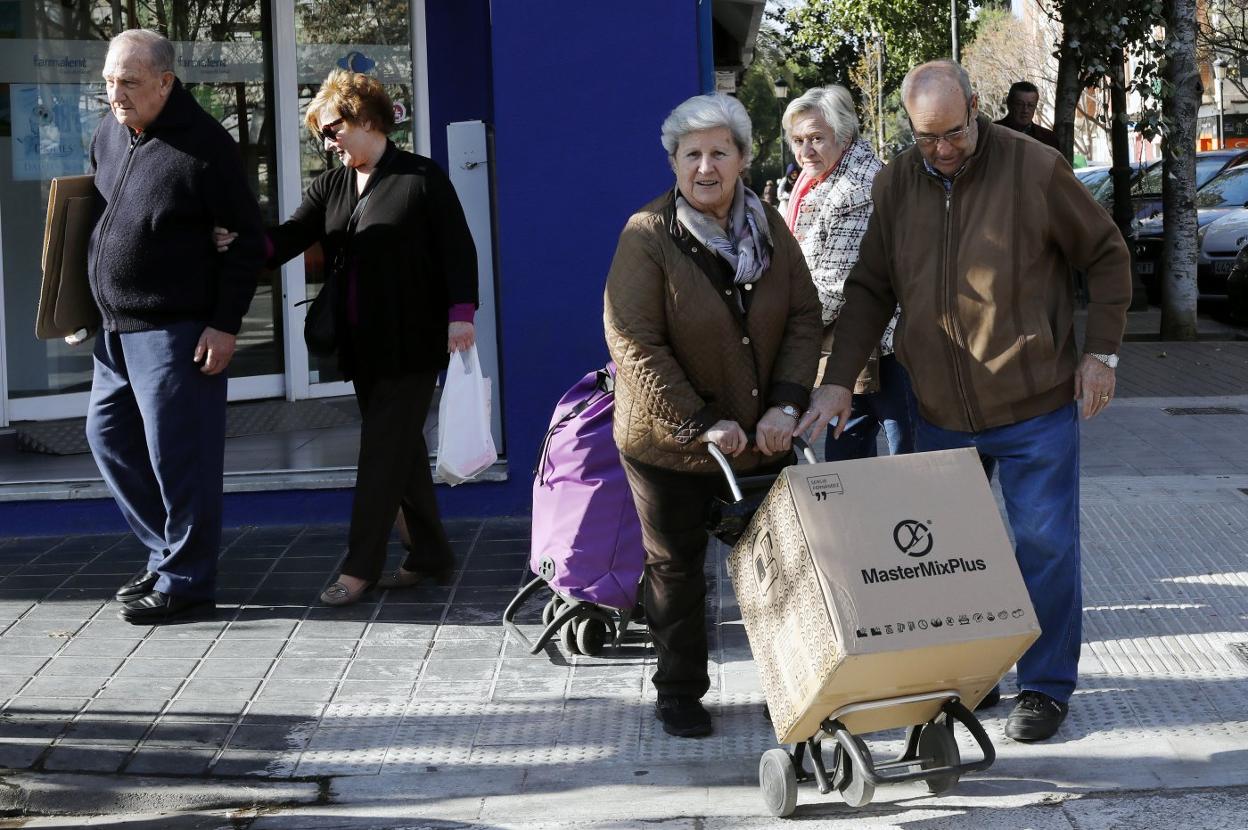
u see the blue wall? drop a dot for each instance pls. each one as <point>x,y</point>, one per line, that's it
<point>580,90</point>
<point>460,67</point>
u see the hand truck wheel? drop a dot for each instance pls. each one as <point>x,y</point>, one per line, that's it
<point>550,610</point>
<point>567,636</point>
<point>777,778</point>
<point>938,748</point>
<point>591,635</point>
<point>853,787</point>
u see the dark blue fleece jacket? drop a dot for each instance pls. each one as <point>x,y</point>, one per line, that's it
<point>152,261</point>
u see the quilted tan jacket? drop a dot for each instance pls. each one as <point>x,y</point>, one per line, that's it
<point>687,355</point>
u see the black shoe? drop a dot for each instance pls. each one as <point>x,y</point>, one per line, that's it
<point>1036,717</point>
<point>156,608</point>
<point>136,588</point>
<point>683,717</point>
<point>989,700</point>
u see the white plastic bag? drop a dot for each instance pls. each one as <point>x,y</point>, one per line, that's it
<point>465,445</point>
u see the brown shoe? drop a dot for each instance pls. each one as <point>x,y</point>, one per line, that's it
<point>400,578</point>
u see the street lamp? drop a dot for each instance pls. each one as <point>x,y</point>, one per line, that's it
<point>781,90</point>
<point>1219,73</point>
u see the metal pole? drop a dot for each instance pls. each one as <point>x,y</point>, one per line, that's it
<point>1221,110</point>
<point>953,28</point>
<point>879,89</point>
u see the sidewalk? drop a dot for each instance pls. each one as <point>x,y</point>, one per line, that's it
<point>412,710</point>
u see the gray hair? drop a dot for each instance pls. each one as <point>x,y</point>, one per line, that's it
<point>157,49</point>
<point>949,70</point>
<point>833,104</point>
<point>708,112</point>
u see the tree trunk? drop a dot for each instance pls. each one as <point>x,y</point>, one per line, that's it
<point>1178,186</point>
<point>1120,145</point>
<point>1066,99</point>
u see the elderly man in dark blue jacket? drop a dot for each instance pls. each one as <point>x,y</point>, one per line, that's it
<point>165,173</point>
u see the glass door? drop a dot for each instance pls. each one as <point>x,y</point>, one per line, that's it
<point>373,37</point>
<point>51,100</point>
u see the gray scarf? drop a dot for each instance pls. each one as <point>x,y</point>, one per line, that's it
<point>746,246</point>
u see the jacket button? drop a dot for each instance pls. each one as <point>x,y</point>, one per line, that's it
<point>754,393</point>
<point>694,249</point>
<point>749,286</point>
<point>729,292</point>
<point>745,340</point>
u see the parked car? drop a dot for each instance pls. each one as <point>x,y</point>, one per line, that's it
<point>1092,175</point>
<point>1146,189</point>
<point>1222,195</point>
<point>1103,190</point>
<point>1220,243</point>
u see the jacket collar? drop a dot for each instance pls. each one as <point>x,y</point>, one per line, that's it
<point>177,113</point>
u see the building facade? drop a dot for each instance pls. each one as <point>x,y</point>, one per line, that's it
<point>546,115</point>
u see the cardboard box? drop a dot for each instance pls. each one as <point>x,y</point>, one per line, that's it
<point>865,580</point>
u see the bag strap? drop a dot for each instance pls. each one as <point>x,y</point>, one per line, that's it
<point>604,386</point>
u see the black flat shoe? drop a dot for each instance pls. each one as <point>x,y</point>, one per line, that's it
<point>1036,717</point>
<point>138,587</point>
<point>157,608</point>
<point>683,717</point>
<point>989,700</point>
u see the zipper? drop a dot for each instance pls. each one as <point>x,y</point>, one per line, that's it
<point>107,219</point>
<point>950,317</point>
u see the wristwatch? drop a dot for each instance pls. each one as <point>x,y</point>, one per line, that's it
<point>1110,360</point>
<point>791,410</point>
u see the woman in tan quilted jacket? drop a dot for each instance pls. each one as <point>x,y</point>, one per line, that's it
<point>714,325</point>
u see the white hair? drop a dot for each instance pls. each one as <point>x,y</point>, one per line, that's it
<point>157,49</point>
<point>833,104</point>
<point>708,112</point>
<point>949,70</point>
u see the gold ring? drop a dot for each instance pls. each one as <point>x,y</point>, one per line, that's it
<point>1104,397</point>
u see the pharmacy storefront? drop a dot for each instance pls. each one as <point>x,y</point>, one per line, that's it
<point>253,65</point>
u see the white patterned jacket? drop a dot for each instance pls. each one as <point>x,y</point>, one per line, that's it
<point>829,226</point>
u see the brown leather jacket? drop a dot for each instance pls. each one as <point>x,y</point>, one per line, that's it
<point>686,355</point>
<point>982,275</point>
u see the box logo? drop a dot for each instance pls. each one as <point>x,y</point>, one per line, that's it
<point>913,538</point>
<point>766,570</point>
<point>823,486</point>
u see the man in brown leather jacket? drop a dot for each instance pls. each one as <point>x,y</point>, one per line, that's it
<point>974,232</point>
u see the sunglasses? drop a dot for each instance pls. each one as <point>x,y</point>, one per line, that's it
<point>328,131</point>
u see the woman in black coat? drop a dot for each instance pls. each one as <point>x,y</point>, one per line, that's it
<point>405,281</point>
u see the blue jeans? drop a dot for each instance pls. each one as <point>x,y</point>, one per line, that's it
<point>1038,462</point>
<point>156,426</point>
<point>893,407</point>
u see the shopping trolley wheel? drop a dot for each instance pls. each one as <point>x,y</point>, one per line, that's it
<point>777,778</point>
<point>591,635</point>
<point>567,636</point>
<point>550,610</point>
<point>938,748</point>
<point>853,787</point>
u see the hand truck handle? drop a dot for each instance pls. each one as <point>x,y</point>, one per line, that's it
<point>799,445</point>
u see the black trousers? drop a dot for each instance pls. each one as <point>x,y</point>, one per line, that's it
<point>393,473</point>
<point>674,508</point>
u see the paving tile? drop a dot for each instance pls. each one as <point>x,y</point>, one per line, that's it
<point>246,649</point>
<point>310,668</point>
<point>195,630</point>
<point>298,690</point>
<point>75,686</point>
<point>85,758</point>
<point>383,670</point>
<point>101,731</point>
<point>21,755</point>
<point>185,649</point>
<point>80,666</point>
<point>465,649</point>
<point>401,632</point>
<point>143,688</point>
<point>257,763</point>
<point>220,688</point>
<point>187,733</point>
<point>29,706</point>
<point>171,668</point>
<point>21,666</point>
<point>124,707</point>
<point>169,761</point>
<point>29,646</point>
<point>288,713</point>
<point>25,730</point>
<point>411,612</point>
<point>254,628</point>
<point>271,738</point>
<point>113,628</point>
<point>318,649</point>
<point>204,710</point>
<point>459,670</point>
<point>56,627</point>
<point>407,650</point>
<point>99,647</point>
<point>331,629</point>
<point>233,667</point>
<point>349,689</point>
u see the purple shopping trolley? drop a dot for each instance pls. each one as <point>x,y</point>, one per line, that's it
<point>586,536</point>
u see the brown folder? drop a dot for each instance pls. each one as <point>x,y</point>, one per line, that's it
<point>65,301</point>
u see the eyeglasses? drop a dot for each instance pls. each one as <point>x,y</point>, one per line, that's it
<point>328,133</point>
<point>952,137</point>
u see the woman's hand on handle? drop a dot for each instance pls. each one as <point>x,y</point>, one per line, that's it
<point>774,431</point>
<point>728,436</point>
